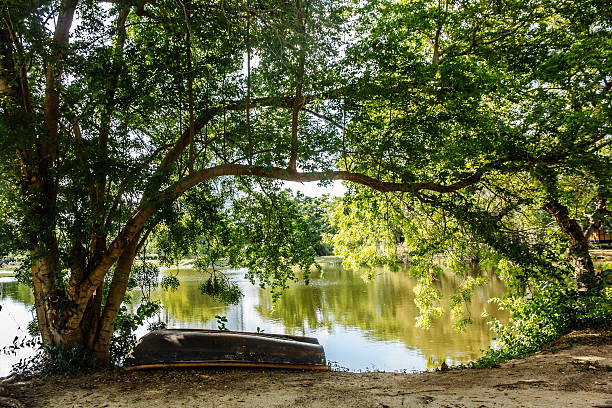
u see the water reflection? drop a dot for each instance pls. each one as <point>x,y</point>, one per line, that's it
<point>361,324</point>
<point>384,310</point>
<point>187,307</point>
<point>16,312</point>
<point>11,289</point>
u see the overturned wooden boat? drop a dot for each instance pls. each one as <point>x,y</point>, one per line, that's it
<point>214,348</point>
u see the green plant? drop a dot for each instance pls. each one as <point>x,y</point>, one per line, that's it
<point>33,329</point>
<point>219,287</point>
<point>169,283</point>
<point>51,359</point>
<point>552,309</point>
<point>221,321</point>
<point>157,326</point>
<point>123,338</point>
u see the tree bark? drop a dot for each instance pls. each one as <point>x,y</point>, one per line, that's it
<point>100,340</point>
<point>53,307</point>
<point>43,271</point>
<point>584,271</point>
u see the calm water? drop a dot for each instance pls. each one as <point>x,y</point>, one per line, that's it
<point>16,301</point>
<point>363,325</point>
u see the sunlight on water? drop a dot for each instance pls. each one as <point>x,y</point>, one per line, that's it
<point>16,301</point>
<point>363,325</point>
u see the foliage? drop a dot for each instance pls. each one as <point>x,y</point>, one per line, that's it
<point>425,298</point>
<point>144,277</point>
<point>221,321</point>
<point>265,230</point>
<point>315,210</point>
<point>33,329</point>
<point>57,359</point>
<point>495,107</point>
<point>169,282</point>
<point>123,338</point>
<point>49,359</point>
<point>429,237</point>
<point>549,311</point>
<point>464,297</point>
<point>364,235</point>
<point>220,288</point>
<point>376,229</point>
<point>275,239</point>
<point>23,274</point>
<point>196,224</point>
<point>484,126</point>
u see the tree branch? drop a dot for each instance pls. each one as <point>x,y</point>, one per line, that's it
<point>288,175</point>
<point>298,101</point>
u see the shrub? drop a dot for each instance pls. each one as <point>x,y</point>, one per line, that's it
<point>53,359</point>
<point>552,309</point>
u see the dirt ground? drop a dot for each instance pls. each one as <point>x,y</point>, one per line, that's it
<point>575,372</point>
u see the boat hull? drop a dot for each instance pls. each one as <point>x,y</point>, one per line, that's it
<point>213,348</point>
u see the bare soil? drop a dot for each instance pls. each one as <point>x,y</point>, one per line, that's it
<point>575,371</point>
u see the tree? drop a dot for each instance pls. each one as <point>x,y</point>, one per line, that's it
<point>315,210</point>
<point>109,118</point>
<point>509,102</point>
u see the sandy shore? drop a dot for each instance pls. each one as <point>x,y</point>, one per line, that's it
<point>575,372</point>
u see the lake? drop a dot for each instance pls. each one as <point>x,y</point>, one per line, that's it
<point>364,325</point>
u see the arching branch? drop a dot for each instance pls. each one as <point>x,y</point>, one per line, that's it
<point>288,175</point>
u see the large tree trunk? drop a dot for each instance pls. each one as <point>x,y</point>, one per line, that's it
<point>99,341</point>
<point>587,280</point>
<point>43,271</point>
<point>53,307</point>
<point>64,322</point>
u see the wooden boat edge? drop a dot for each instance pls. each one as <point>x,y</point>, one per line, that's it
<point>228,364</point>
<point>289,337</point>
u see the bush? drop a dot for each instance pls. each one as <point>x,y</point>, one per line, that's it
<point>124,336</point>
<point>552,310</point>
<point>56,359</point>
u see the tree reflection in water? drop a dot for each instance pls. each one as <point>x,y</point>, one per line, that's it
<point>384,310</point>
<point>361,323</point>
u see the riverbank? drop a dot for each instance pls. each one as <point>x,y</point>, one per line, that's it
<point>8,271</point>
<point>574,372</point>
